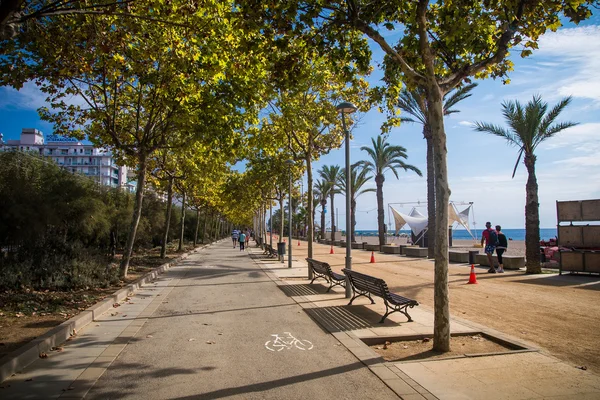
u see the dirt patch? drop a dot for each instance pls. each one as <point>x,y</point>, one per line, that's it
<point>422,349</point>
<point>28,314</point>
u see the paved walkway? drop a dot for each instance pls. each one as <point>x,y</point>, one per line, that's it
<point>215,326</point>
<point>231,324</point>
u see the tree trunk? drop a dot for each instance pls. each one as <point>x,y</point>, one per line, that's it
<point>137,213</point>
<point>215,232</point>
<point>430,194</point>
<point>180,247</point>
<point>532,219</point>
<point>163,246</point>
<point>441,323</point>
<point>323,205</point>
<point>379,179</point>
<point>331,196</point>
<point>353,219</point>
<point>205,225</point>
<point>282,224</point>
<point>311,222</point>
<point>197,226</point>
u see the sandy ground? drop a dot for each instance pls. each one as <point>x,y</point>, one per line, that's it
<point>559,314</point>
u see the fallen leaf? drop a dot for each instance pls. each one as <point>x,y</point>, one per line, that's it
<point>404,346</point>
<point>425,340</point>
<point>116,305</point>
<point>59,349</point>
<point>124,315</point>
<point>28,380</point>
<point>191,340</point>
<point>210,342</point>
<point>149,336</point>
<point>582,367</point>
<point>43,355</point>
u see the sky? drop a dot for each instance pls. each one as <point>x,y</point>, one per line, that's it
<point>479,165</point>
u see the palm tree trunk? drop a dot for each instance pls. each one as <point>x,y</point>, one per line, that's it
<point>163,247</point>
<point>379,179</point>
<point>332,217</point>
<point>353,219</point>
<point>180,247</point>
<point>137,213</point>
<point>323,204</point>
<point>430,194</point>
<point>532,219</point>
<point>441,323</point>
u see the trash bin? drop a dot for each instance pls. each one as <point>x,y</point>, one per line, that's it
<point>472,254</point>
<point>281,248</point>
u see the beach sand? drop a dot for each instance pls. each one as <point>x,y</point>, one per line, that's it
<point>515,247</point>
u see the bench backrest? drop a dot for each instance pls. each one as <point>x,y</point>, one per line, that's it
<point>319,266</point>
<point>367,283</point>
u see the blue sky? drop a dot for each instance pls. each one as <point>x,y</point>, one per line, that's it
<point>480,165</point>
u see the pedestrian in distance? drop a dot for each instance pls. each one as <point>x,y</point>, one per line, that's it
<point>247,237</point>
<point>501,248</point>
<point>242,241</point>
<point>235,237</point>
<point>490,238</point>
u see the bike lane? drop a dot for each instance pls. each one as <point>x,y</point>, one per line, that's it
<point>225,330</point>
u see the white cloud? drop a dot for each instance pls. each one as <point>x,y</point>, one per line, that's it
<point>467,123</point>
<point>583,137</point>
<point>579,49</point>
<point>30,97</point>
<point>581,161</point>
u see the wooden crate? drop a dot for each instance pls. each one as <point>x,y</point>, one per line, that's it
<point>590,210</point>
<point>570,236</point>
<point>591,235</point>
<point>571,261</point>
<point>592,262</point>
<point>568,211</point>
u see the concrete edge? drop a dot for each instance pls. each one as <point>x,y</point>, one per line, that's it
<point>28,353</point>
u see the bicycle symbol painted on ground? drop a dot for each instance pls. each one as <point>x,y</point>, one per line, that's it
<point>287,341</point>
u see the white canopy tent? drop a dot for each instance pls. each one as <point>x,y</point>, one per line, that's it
<point>418,222</point>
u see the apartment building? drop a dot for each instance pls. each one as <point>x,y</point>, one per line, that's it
<point>74,156</point>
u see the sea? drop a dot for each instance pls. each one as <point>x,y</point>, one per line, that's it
<point>513,234</point>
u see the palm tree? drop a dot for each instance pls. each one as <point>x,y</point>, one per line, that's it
<point>413,103</point>
<point>384,157</point>
<point>332,174</point>
<point>529,126</point>
<point>322,192</point>
<point>359,176</point>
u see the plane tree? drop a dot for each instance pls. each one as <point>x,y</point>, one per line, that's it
<point>431,46</point>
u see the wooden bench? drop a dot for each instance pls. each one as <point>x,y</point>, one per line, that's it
<point>270,251</point>
<point>323,270</point>
<point>367,285</point>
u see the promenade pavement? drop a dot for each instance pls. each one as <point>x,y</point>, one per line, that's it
<point>231,324</point>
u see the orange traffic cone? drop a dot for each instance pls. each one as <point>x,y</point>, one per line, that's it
<point>298,243</point>
<point>331,251</point>
<point>372,257</point>
<point>472,276</point>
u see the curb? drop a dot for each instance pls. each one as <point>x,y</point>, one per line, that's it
<point>28,353</point>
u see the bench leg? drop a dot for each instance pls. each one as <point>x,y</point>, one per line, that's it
<point>333,283</point>
<point>402,309</point>
<point>366,294</point>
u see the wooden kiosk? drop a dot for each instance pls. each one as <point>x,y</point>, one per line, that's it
<point>579,242</point>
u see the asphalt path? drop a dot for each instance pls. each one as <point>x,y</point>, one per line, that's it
<point>227,331</point>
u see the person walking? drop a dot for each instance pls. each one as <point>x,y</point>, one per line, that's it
<point>234,237</point>
<point>501,248</point>
<point>242,241</point>
<point>491,241</point>
<point>247,237</point>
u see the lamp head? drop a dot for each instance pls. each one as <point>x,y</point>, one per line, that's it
<point>346,108</point>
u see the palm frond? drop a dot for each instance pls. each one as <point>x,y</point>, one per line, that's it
<point>517,163</point>
<point>457,96</point>
<point>410,102</point>
<point>553,114</point>
<point>496,130</point>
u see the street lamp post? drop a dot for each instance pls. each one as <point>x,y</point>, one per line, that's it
<point>347,108</point>
<point>290,163</point>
